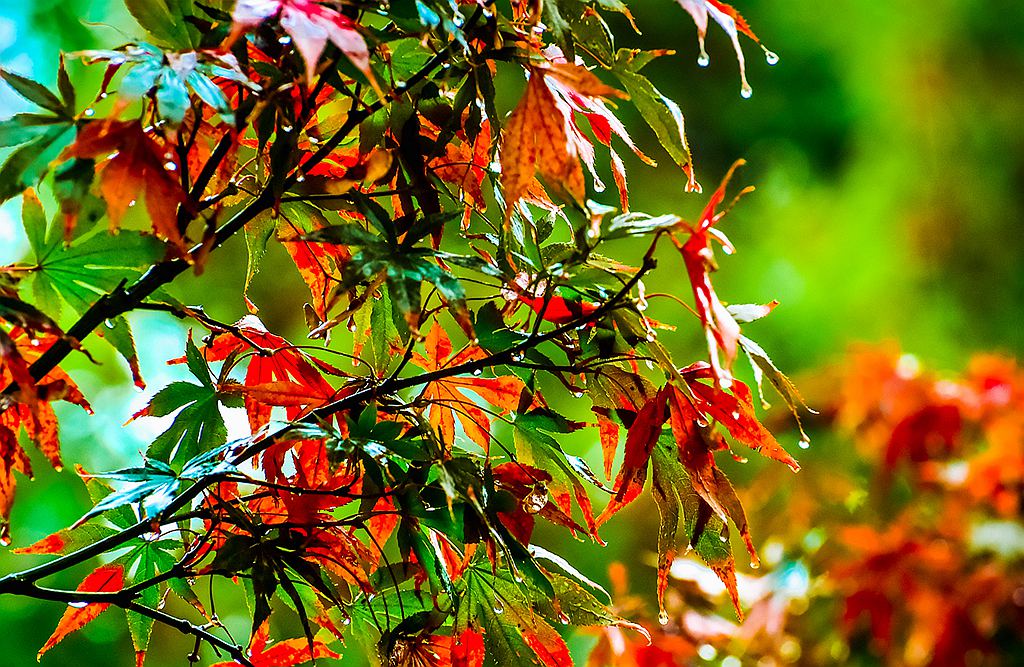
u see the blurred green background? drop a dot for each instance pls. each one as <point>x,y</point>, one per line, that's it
<point>887,147</point>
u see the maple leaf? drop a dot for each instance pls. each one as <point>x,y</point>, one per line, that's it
<point>574,86</point>
<point>464,163</point>
<point>720,327</point>
<point>446,397</point>
<point>28,408</point>
<point>282,654</point>
<point>320,264</point>
<point>275,361</point>
<point>733,24</point>
<point>105,579</point>
<point>133,164</point>
<point>539,136</point>
<point>311,26</point>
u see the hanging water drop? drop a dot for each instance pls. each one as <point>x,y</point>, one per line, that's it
<point>746,91</point>
<point>498,607</point>
<point>755,564</point>
<point>478,372</point>
<point>563,618</point>
<point>286,128</point>
<point>170,165</point>
<point>131,203</point>
<point>804,443</point>
<point>663,617</point>
<point>703,59</point>
<point>103,95</point>
<point>108,324</point>
<point>352,326</point>
<point>90,112</point>
<point>284,40</point>
<point>577,393</point>
<point>300,179</point>
<point>771,57</point>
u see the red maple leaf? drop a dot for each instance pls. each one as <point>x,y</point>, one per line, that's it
<point>107,579</point>
<point>311,26</point>
<point>281,654</point>
<point>446,397</point>
<point>29,408</point>
<point>721,330</point>
<point>133,165</point>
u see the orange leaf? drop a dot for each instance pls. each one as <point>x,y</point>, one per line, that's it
<point>536,139</point>
<point>107,579</point>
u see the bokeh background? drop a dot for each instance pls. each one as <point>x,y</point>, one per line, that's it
<point>887,147</point>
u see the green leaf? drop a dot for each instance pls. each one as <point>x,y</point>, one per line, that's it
<point>23,127</point>
<point>172,99</point>
<point>199,427</point>
<point>34,92</point>
<point>659,112</point>
<point>33,218</point>
<point>26,165</point>
<point>504,610</point>
<point>87,270</point>
<point>140,79</point>
<point>65,87</point>
<point>680,505</point>
<point>166,21</point>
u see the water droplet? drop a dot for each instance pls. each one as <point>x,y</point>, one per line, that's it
<point>131,203</point>
<point>577,393</point>
<point>771,57</point>
<point>498,607</point>
<point>300,179</point>
<point>517,355</point>
<point>723,538</point>
<point>804,443</point>
<point>5,540</point>
<point>755,564</point>
<point>35,342</point>
<point>703,59</point>
<point>286,128</point>
<point>314,141</point>
<point>108,324</point>
<point>170,166</point>
<point>478,372</point>
<point>78,604</point>
<point>352,326</point>
<point>284,40</point>
<point>90,112</point>
<point>58,468</point>
<point>663,617</point>
<point>563,618</point>
<point>746,91</point>
<point>103,96</point>
<point>346,621</point>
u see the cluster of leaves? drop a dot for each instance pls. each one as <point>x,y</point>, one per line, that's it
<point>389,507</point>
<point>924,568</point>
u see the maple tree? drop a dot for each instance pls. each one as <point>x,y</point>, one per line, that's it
<point>389,507</point>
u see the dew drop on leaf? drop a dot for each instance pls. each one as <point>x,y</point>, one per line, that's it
<point>90,112</point>
<point>78,604</point>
